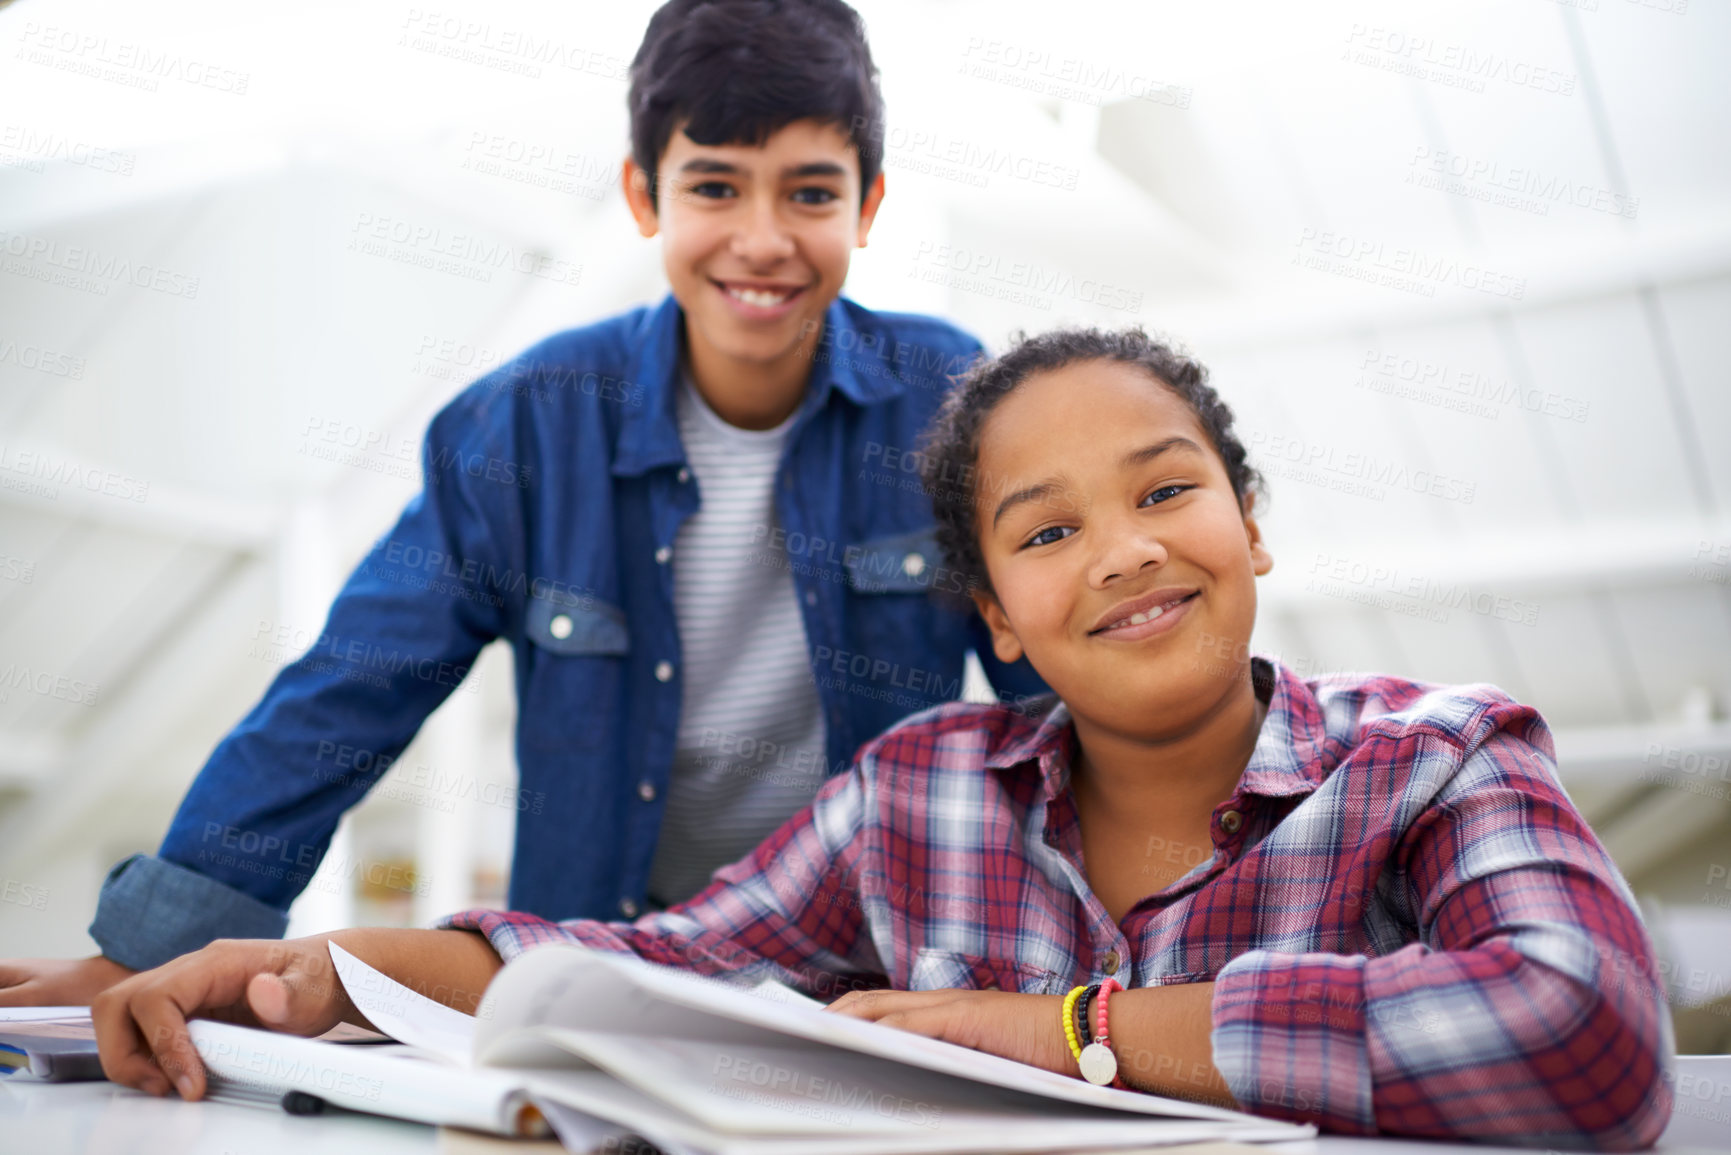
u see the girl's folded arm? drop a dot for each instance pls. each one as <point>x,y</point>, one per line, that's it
<point>1530,1010</point>
<point>791,909</point>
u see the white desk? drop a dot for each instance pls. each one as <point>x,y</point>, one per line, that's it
<point>104,1119</point>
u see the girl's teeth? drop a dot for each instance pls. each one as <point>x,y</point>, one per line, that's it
<point>1146,616</point>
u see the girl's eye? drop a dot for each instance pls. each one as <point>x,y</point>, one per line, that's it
<point>815,196</point>
<point>1045,536</point>
<point>1165,493</point>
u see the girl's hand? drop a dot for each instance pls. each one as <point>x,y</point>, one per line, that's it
<point>1026,1028</point>
<point>279,985</point>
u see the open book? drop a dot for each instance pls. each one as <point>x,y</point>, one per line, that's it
<point>603,1046</point>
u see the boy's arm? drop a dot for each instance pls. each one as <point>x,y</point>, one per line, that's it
<point>793,909</point>
<point>287,986</point>
<point>1531,1008</point>
<point>400,636</point>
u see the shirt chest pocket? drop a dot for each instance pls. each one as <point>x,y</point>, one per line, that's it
<point>577,664</point>
<point>901,645</point>
<point>937,970</point>
<point>902,563</point>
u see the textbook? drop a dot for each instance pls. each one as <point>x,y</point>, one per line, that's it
<point>598,1047</point>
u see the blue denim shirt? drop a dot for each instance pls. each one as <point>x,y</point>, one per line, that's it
<point>552,491</point>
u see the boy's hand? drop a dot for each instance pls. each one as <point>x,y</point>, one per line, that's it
<point>57,982</point>
<point>1026,1028</point>
<point>280,985</point>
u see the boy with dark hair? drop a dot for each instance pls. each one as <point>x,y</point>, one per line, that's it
<point>697,571</point>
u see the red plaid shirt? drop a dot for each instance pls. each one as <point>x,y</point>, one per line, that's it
<point>1410,928</point>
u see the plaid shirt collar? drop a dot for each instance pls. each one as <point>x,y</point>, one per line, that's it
<point>1293,753</point>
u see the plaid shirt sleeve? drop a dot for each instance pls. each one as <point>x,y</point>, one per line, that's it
<point>1529,1010</point>
<point>790,910</point>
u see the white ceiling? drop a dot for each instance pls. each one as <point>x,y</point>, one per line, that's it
<point>1211,149</point>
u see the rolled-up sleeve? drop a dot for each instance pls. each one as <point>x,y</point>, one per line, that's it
<point>151,910</point>
<point>1529,1012</point>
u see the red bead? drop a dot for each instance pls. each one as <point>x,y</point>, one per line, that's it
<point>1100,1034</point>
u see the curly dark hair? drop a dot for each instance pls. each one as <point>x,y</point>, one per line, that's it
<point>951,449</point>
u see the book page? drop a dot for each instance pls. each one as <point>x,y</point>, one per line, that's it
<point>403,1014</point>
<point>591,990</point>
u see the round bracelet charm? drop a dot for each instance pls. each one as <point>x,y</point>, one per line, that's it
<point>1099,1065</point>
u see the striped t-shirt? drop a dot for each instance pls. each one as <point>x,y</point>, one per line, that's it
<point>750,750</point>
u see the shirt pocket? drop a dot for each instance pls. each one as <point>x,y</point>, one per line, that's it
<point>936,970</point>
<point>577,658</point>
<point>900,563</point>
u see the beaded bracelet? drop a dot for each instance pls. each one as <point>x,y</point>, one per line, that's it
<point>1099,1065</point>
<point>1070,1021</point>
<point>1084,1016</point>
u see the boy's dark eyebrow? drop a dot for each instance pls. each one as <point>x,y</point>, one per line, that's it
<point>708,165</point>
<point>704,164</point>
<point>1134,458</point>
<point>815,168</point>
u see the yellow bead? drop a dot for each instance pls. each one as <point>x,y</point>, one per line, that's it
<point>1070,1021</point>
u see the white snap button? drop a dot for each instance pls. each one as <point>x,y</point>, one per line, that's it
<point>560,627</point>
<point>913,565</point>
<point>662,554</point>
<point>628,907</point>
<point>663,671</point>
<point>811,597</point>
<point>684,475</point>
<point>646,791</point>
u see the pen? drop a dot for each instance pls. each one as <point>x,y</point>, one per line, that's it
<point>293,1102</point>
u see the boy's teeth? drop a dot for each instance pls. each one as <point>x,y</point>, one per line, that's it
<point>763,297</point>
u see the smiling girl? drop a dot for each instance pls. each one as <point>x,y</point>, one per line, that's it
<point>1358,901</point>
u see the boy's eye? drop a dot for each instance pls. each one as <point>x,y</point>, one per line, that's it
<point>816,196</point>
<point>1049,535</point>
<point>1165,493</point>
<point>714,189</point>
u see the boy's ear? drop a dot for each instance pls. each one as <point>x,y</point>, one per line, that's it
<point>1005,643</point>
<point>636,184</point>
<point>1261,561</point>
<point>868,208</point>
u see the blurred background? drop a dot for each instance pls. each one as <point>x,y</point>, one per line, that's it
<point>1463,269</point>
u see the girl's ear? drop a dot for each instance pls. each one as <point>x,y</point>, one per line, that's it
<point>1261,561</point>
<point>1005,643</point>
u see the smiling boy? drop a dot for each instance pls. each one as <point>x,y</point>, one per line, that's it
<point>710,598</point>
<point>1401,924</point>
